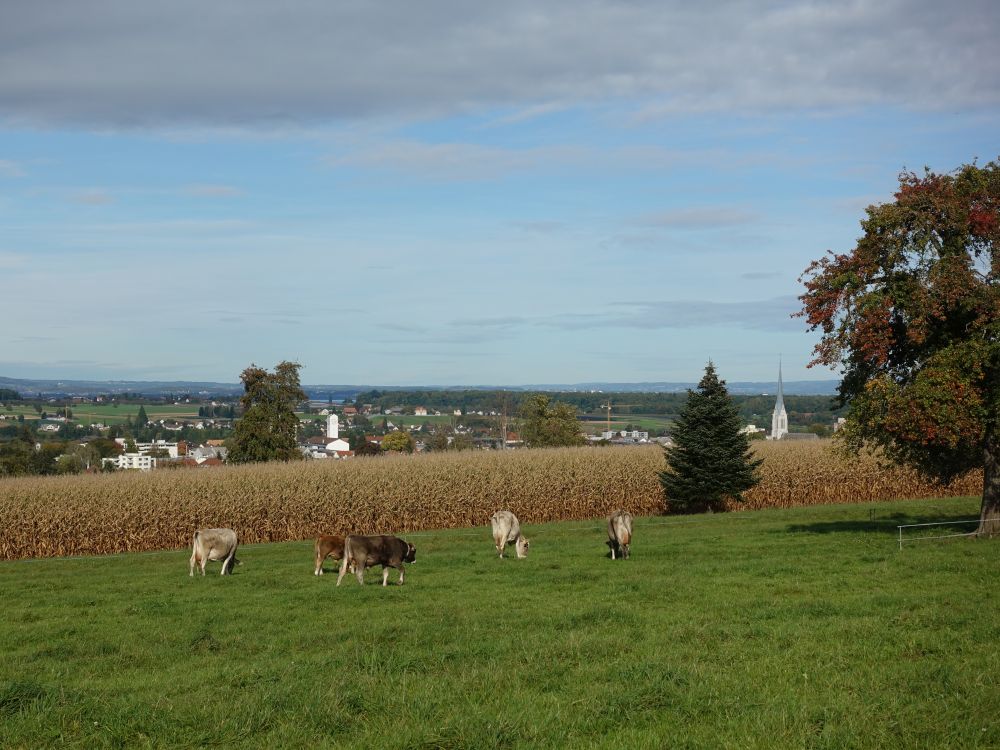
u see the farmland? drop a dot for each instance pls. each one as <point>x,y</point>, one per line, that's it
<point>132,512</point>
<point>784,628</point>
<point>110,413</point>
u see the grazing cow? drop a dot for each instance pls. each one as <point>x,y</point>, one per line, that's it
<point>214,544</point>
<point>366,551</point>
<point>507,530</point>
<point>620,533</point>
<point>327,546</point>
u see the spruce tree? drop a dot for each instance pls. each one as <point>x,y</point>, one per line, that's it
<point>710,460</point>
<point>141,420</point>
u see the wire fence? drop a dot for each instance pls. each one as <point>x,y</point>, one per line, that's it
<point>925,538</point>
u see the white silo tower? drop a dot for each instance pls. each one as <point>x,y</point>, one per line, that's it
<point>332,427</point>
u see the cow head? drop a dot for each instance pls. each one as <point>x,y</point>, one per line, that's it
<point>411,553</point>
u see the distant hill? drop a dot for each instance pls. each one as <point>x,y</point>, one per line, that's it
<point>49,388</point>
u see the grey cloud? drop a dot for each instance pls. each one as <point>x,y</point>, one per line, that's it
<point>762,315</point>
<point>540,227</point>
<point>700,218</point>
<point>212,191</point>
<point>403,328</point>
<point>32,339</point>
<point>125,64</point>
<point>501,322</point>
<point>94,197</point>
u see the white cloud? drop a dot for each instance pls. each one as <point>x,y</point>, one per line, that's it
<point>10,169</point>
<point>453,161</point>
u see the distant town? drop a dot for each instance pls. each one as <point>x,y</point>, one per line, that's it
<point>130,430</point>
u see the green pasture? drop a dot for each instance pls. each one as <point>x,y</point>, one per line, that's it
<point>646,422</point>
<point>109,413</point>
<point>802,628</point>
<point>401,420</point>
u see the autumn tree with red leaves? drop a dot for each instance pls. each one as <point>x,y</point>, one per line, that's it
<point>912,314</point>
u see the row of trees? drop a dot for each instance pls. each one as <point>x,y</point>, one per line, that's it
<point>21,457</point>
<point>802,410</point>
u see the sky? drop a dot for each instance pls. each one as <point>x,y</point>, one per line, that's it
<point>458,193</point>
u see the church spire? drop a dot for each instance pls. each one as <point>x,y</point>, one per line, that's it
<point>780,405</point>
<point>779,420</point>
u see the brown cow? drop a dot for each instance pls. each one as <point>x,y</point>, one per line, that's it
<point>507,530</point>
<point>620,533</point>
<point>366,551</point>
<point>214,544</point>
<point>327,546</point>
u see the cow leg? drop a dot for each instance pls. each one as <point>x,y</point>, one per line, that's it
<point>229,563</point>
<point>359,572</point>
<point>194,560</point>
<point>612,545</point>
<point>343,569</point>
<point>319,565</point>
<point>385,575</point>
<point>400,575</point>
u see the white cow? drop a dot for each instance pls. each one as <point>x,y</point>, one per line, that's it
<point>620,533</point>
<point>214,544</point>
<point>507,530</point>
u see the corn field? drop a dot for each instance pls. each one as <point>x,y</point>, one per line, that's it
<point>132,512</point>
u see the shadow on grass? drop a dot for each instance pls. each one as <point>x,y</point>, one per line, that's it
<point>885,524</point>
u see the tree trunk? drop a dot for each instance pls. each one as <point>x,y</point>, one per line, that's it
<point>989,515</point>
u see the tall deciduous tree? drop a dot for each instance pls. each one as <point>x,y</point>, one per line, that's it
<point>266,431</point>
<point>912,314</point>
<point>547,425</point>
<point>398,441</point>
<point>710,460</point>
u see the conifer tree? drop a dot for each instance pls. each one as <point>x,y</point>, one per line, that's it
<point>141,419</point>
<point>710,460</point>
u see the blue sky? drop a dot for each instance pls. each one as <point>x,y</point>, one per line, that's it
<point>434,193</point>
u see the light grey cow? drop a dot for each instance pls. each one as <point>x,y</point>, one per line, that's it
<point>620,533</point>
<point>507,530</point>
<point>214,544</point>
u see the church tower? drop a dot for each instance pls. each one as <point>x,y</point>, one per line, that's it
<point>779,420</point>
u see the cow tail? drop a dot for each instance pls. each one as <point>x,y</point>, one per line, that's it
<point>347,551</point>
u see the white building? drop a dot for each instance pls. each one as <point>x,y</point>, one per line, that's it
<point>132,461</point>
<point>171,448</point>
<point>635,436</point>
<point>779,420</point>
<point>336,443</point>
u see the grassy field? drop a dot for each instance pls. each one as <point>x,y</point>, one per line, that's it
<point>645,422</point>
<point>109,413</point>
<point>780,628</point>
<point>276,502</point>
